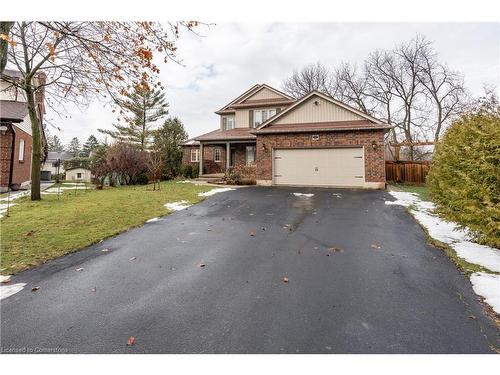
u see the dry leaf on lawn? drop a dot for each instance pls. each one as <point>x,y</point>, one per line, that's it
<point>131,341</point>
<point>35,288</point>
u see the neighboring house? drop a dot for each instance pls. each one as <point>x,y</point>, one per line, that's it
<point>79,175</point>
<point>50,167</point>
<point>15,132</point>
<point>313,141</point>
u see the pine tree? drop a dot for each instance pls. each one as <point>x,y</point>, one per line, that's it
<point>167,140</point>
<point>89,146</point>
<point>74,147</point>
<point>54,144</point>
<point>141,110</point>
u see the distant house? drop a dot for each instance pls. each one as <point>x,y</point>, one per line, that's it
<point>54,159</point>
<point>78,175</point>
<point>15,132</point>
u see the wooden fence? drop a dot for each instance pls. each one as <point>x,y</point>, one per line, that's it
<point>413,172</point>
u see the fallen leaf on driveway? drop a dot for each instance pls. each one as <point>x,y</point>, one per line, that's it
<point>252,234</point>
<point>202,265</point>
<point>472,317</point>
<point>35,288</point>
<point>131,341</point>
<point>336,249</point>
<point>374,246</point>
<point>133,258</point>
<point>285,279</point>
<point>79,269</point>
<point>94,289</point>
<point>209,229</point>
<point>105,250</point>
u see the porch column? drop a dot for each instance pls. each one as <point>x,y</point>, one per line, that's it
<point>201,159</point>
<point>228,156</point>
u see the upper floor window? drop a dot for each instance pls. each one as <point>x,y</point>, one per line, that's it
<point>195,155</point>
<point>21,150</point>
<point>262,115</point>
<point>227,123</point>
<point>217,154</point>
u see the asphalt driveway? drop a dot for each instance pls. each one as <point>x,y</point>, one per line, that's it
<point>362,279</point>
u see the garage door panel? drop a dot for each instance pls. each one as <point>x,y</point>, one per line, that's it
<point>319,167</point>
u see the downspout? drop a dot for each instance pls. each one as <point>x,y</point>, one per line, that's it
<point>13,146</point>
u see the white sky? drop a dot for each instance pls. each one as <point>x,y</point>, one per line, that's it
<point>231,57</point>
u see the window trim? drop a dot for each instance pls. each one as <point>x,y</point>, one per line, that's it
<point>196,155</point>
<point>263,118</point>
<point>225,122</point>
<point>22,149</point>
<point>78,175</point>
<point>217,155</point>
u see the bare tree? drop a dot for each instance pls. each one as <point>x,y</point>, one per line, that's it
<point>444,86</point>
<point>83,61</point>
<point>311,77</point>
<point>351,86</point>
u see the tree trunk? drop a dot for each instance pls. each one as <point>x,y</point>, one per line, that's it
<point>36,155</point>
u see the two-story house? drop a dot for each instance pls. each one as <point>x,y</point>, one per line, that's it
<point>313,141</point>
<point>15,132</point>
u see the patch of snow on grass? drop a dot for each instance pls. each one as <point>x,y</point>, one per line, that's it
<point>4,279</point>
<point>439,229</point>
<point>214,191</point>
<point>337,195</point>
<point>185,182</point>
<point>303,195</point>
<point>8,290</point>
<point>153,220</point>
<point>177,206</point>
<point>478,254</point>
<point>487,286</point>
<point>3,208</point>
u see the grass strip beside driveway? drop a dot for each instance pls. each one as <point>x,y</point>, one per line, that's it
<point>39,231</point>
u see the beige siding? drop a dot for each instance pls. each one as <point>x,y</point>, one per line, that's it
<point>241,118</point>
<point>265,93</point>
<point>325,111</point>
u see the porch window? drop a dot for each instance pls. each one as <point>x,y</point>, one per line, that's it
<point>195,155</point>
<point>21,150</point>
<point>79,175</point>
<point>217,155</point>
<point>227,123</point>
<point>262,115</point>
<point>250,155</point>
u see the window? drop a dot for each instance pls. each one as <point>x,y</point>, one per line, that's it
<point>21,150</point>
<point>78,175</point>
<point>262,115</point>
<point>227,123</point>
<point>217,154</point>
<point>195,155</point>
<point>250,155</point>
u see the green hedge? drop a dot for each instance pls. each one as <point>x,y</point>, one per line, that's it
<point>464,180</point>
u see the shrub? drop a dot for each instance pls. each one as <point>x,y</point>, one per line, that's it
<point>126,162</point>
<point>240,175</point>
<point>142,179</point>
<point>187,171</point>
<point>464,180</point>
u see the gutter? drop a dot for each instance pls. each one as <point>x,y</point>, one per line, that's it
<point>309,130</point>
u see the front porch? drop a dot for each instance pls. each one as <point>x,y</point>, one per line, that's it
<point>216,157</point>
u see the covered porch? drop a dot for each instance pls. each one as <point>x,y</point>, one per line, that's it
<point>216,157</point>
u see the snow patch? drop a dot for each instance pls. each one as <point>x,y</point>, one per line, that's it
<point>214,191</point>
<point>153,219</point>
<point>478,254</point>
<point>177,206</point>
<point>185,182</point>
<point>487,286</point>
<point>303,195</point>
<point>9,290</point>
<point>337,195</point>
<point>4,279</point>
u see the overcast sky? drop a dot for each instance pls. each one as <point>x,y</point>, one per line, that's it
<point>231,57</point>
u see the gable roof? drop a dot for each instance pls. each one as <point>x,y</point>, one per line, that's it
<point>251,92</point>
<point>325,97</point>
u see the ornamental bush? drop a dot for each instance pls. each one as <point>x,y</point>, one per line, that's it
<point>464,180</point>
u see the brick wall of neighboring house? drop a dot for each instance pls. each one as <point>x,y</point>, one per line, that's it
<point>209,164</point>
<point>5,155</point>
<point>374,158</point>
<point>22,169</point>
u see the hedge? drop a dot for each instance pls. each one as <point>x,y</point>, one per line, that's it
<point>464,180</point>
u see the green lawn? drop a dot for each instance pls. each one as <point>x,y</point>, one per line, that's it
<point>421,190</point>
<point>38,231</point>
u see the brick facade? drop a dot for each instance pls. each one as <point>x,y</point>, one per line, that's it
<point>209,164</point>
<point>21,168</point>
<point>372,140</point>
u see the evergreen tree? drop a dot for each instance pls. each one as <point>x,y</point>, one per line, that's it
<point>89,146</point>
<point>167,140</point>
<point>74,147</point>
<point>142,108</point>
<point>54,143</point>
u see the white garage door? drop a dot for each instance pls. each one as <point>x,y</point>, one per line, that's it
<point>319,167</point>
